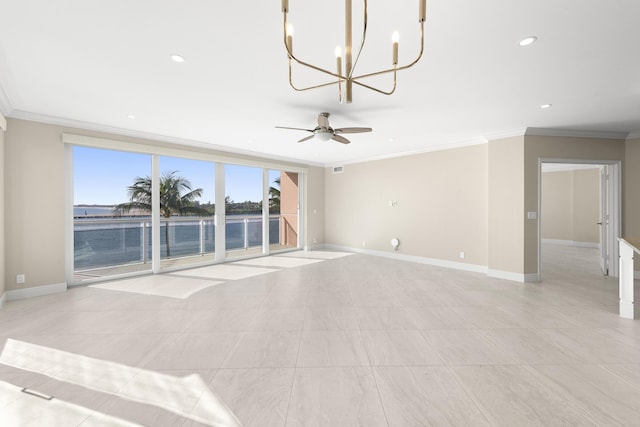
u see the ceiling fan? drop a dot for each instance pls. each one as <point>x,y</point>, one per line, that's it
<point>324,131</point>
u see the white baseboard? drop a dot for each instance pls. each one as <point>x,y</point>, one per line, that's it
<point>571,243</point>
<point>514,277</point>
<point>36,291</point>
<point>586,245</point>
<point>3,298</point>
<point>412,258</point>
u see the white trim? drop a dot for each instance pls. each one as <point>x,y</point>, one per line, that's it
<point>80,125</point>
<point>441,147</point>
<point>412,258</point>
<point>627,310</point>
<point>506,275</point>
<point>531,131</point>
<point>505,134</point>
<point>316,247</point>
<point>5,103</point>
<point>36,291</point>
<point>558,242</point>
<point>586,245</point>
<point>571,243</point>
<point>3,122</point>
<point>564,167</point>
<point>3,299</point>
<point>633,135</point>
<point>114,144</point>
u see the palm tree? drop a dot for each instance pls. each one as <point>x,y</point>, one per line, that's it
<point>176,198</point>
<point>274,196</point>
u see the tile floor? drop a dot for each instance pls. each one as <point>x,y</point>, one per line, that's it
<point>336,341</point>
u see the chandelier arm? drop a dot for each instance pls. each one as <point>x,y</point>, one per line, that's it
<point>293,57</point>
<point>302,89</point>
<point>364,37</point>
<point>376,89</point>
<point>404,67</point>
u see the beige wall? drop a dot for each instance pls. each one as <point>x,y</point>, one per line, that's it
<point>632,190</point>
<point>34,204</point>
<point>556,218</point>
<point>35,198</point>
<point>506,202</point>
<point>571,205</point>
<point>537,147</point>
<point>315,207</point>
<point>441,205</point>
<point>586,205</point>
<point>3,124</point>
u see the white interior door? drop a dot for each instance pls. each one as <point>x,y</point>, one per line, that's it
<point>604,220</point>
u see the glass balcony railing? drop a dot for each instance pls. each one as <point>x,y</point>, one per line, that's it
<point>100,243</point>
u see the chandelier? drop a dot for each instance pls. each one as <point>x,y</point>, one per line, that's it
<point>345,76</point>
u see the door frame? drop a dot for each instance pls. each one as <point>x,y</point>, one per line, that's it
<point>615,177</point>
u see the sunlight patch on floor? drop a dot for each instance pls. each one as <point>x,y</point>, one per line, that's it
<point>159,285</point>
<point>224,272</point>
<point>316,254</point>
<point>179,395</point>
<point>278,261</point>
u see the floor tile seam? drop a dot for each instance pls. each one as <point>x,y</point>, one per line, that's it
<point>634,385</point>
<point>479,406</point>
<point>375,382</point>
<point>556,389</point>
<point>432,347</point>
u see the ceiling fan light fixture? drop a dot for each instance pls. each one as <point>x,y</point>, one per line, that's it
<point>177,58</point>
<point>527,41</point>
<point>324,136</point>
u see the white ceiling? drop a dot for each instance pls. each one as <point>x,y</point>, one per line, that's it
<point>91,63</point>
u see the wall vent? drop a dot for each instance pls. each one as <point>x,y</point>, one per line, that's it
<point>338,169</point>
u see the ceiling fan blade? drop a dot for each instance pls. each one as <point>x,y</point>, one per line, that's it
<point>284,127</point>
<point>341,139</point>
<point>352,130</point>
<point>307,138</point>
<point>323,120</point>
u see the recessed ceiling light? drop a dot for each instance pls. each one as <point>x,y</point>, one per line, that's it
<point>177,58</point>
<point>527,41</point>
<point>545,106</point>
<point>131,116</point>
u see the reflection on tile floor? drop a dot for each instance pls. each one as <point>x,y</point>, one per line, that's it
<point>325,339</point>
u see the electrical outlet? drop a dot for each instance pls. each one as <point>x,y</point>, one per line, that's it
<point>461,254</point>
<point>20,279</point>
<point>364,244</point>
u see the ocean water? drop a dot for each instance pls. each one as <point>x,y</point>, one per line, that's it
<point>125,241</point>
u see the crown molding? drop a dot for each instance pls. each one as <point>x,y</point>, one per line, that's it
<point>5,104</point>
<point>633,135</point>
<point>441,147</point>
<point>505,134</point>
<point>77,124</point>
<point>575,133</point>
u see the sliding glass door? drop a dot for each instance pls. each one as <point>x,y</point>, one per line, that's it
<point>110,237</point>
<point>114,221</point>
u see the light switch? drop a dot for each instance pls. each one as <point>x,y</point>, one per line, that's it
<point>532,215</point>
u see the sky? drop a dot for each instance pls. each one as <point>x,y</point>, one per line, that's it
<point>101,177</point>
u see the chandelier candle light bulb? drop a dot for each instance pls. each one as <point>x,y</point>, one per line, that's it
<point>290,38</point>
<point>395,38</point>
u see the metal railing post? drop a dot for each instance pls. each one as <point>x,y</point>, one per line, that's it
<point>144,242</point>
<point>202,237</point>
<point>246,233</point>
